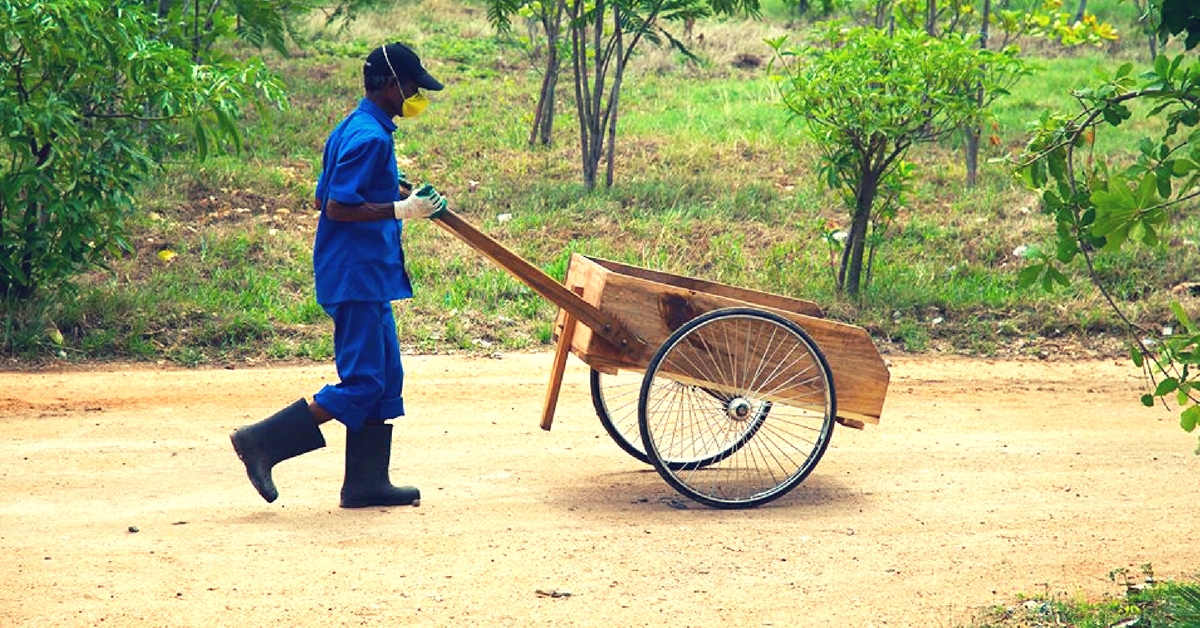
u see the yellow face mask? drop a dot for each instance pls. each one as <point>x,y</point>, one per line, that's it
<point>414,105</point>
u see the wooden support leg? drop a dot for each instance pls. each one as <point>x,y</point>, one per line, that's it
<point>562,350</point>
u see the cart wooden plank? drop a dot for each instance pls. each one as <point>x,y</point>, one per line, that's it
<point>654,309</point>
<point>799,306</point>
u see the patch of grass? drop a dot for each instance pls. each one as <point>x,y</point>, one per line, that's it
<point>712,181</point>
<point>1148,604</point>
<point>219,293</point>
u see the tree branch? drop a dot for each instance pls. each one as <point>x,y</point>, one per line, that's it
<point>1090,117</point>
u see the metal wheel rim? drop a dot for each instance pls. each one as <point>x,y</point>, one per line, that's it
<point>772,365</point>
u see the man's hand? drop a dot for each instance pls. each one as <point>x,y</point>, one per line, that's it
<point>425,202</point>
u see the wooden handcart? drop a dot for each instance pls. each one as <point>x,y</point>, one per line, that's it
<point>728,392</point>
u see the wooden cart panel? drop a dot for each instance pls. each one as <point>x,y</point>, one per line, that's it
<point>653,304</point>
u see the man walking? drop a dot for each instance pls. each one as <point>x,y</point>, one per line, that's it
<point>359,269</point>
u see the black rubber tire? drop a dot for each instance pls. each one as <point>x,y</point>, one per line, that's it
<point>744,394</point>
<point>616,404</point>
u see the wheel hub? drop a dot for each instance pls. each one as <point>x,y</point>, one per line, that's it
<point>738,409</point>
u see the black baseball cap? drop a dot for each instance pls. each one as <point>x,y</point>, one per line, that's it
<point>400,60</point>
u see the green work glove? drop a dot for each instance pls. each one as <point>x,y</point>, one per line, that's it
<point>402,179</point>
<point>425,202</point>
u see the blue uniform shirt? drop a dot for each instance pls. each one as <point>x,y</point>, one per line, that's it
<point>359,261</point>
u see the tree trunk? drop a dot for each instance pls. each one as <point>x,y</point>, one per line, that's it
<point>1081,11</point>
<point>196,32</point>
<point>34,221</point>
<point>850,276</point>
<point>542,129</point>
<point>610,118</point>
<point>583,99</point>
<point>972,150</point>
<point>974,132</point>
<point>882,9</point>
<point>591,167</point>
<point>543,113</point>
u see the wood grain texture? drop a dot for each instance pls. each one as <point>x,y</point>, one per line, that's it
<point>654,309</point>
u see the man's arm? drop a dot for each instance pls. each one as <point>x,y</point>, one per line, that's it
<point>363,212</point>
<point>423,203</point>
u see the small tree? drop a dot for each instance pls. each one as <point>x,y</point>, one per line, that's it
<point>604,36</point>
<point>1007,22</point>
<point>867,97</point>
<point>549,16</point>
<point>86,97</point>
<point>1099,206</point>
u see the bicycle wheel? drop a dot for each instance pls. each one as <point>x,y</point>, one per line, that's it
<point>748,396</point>
<point>615,398</point>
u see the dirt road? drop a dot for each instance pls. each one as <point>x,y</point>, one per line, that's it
<point>123,505</point>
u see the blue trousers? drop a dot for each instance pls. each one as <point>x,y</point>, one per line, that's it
<point>368,364</point>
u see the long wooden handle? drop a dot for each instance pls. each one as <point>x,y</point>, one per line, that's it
<point>602,324</point>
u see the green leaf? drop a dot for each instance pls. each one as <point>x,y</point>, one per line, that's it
<point>1175,65</point>
<point>1116,238</point>
<point>1189,418</point>
<point>1162,66</point>
<point>1137,231</point>
<point>1057,163</point>
<point>1029,275</point>
<point>1149,235</point>
<point>1037,174</point>
<point>201,138</point>
<point>1113,206</point>
<point>1136,355</point>
<point>1166,387</point>
<point>1111,116</point>
<point>1163,180</point>
<point>1148,400</point>
<point>1115,211</point>
<point>1181,315</point>
<point>227,125</point>
<point>1055,276</point>
<point>1147,192</point>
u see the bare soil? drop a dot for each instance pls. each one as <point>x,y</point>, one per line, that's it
<point>122,504</point>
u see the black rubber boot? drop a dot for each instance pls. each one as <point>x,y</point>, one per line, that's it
<point>368,454</point>
<point>285,434</point>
